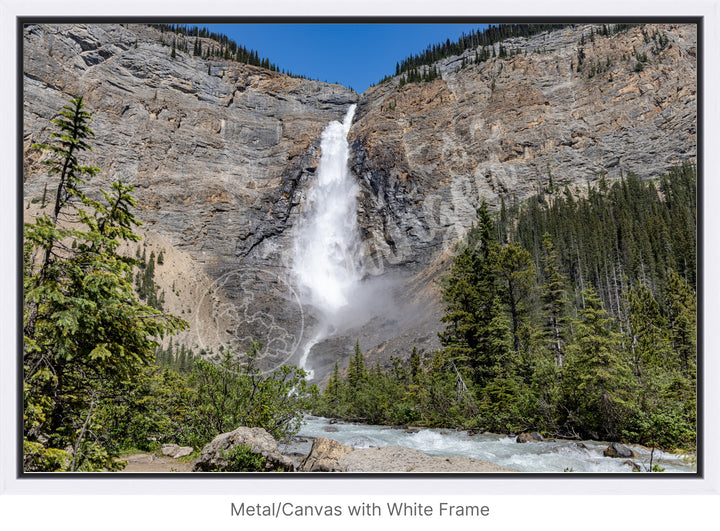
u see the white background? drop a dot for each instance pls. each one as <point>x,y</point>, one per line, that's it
<point>196,504</point>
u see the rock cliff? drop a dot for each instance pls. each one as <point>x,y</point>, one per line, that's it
<point>214,148</point>
<point>217,151</point>
<point>222,153</point>
<point>506,128</point>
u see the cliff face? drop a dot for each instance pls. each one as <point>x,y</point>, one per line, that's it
<point>504,129</point>
<point>215,149</point>
<point>221,155</point>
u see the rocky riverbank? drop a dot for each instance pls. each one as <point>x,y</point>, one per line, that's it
<point>253,449</point>
<point>326,455</point>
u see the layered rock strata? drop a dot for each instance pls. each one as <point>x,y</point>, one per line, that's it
<point>215,149</point>
<point>506,128</point>
<point>222,154</point>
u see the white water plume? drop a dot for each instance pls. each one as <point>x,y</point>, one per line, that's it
<point>327,241</point>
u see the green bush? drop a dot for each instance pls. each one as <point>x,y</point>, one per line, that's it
<point>230,391</point>
<point>242,459</point>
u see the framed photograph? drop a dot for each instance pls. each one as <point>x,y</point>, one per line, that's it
<point>348,252</point>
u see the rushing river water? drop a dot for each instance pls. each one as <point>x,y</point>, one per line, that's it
<point>551,456</point>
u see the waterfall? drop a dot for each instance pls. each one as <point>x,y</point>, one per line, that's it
<point>327,240</point>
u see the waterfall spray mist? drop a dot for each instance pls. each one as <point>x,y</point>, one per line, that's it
<point>327,242</point>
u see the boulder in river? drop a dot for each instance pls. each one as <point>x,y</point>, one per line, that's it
<point>361,442</point>
<point>529,437</point>
<point>323,455</point>
<point>618,450</point>
<point>632,464</point>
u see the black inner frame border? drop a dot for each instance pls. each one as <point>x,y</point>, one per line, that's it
<point>431,19</point>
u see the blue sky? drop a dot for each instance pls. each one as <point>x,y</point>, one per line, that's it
<point>354,55</point>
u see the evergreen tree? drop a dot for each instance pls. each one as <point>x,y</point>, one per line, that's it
<point>681,303</point>
<point>554,300</point>
<point>462,297</point>
<point>649,345</point>
<point>517,274</point>
<point>84,329</point>
<point>469,292</point>
<point>332,394</point>
<point>500,359</point>
<point>356,370</point>
<point>597,377</point>
<point>414,365</point>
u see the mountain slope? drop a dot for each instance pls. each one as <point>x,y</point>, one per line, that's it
<point>505,128</point>
<point>222,154</point>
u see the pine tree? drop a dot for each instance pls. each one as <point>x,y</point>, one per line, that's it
<point>356,369</point>
<point>681,303</point>
<point>554,300</point>
<point>332,393</point>
<point>500,359</point>
<point>462,296</point>
<point>516,272</point>
<point>650,345</point>
<point>469,292</point>
<point>414,365</point>
<point>597,378</point>
<point>84,328</point>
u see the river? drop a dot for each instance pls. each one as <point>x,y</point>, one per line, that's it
<point>541,457</point>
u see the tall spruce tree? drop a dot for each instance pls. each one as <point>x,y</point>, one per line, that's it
<point>84,329</point>
<point>469,292</point>
<point>680,300</point>
<point>554,300</point>
<point>516,272</point>
<point>597,377</point>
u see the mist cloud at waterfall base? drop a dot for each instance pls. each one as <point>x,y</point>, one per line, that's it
<point>370,298</point>
<point>388,315</point>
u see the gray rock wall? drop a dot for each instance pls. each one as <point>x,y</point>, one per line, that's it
<point>216,150</point>
<point>428,153</point>
<point>221,153</point>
